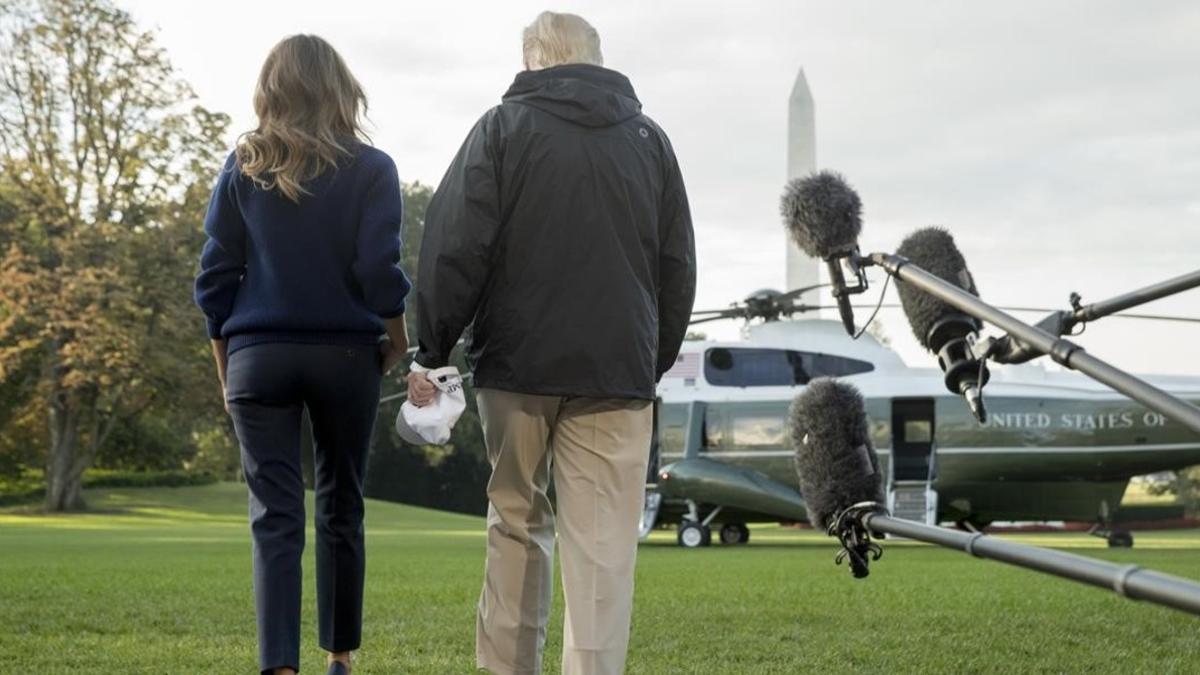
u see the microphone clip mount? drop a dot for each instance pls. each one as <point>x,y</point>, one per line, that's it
<point>848,260</point>
<point>838,263</point>
<point>849,526</point>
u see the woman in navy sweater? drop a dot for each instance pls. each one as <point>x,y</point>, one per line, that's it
<point>304,297</point>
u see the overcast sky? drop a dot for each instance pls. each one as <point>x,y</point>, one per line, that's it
<point>1059,141</point>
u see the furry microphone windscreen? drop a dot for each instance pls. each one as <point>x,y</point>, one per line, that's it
<point>822,213</point>
<point>933,250</point>
<point>835,461</point>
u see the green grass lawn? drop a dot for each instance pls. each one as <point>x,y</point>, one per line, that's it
<point>158,580</point>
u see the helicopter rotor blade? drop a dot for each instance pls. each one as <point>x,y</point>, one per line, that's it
<point>1157,317</point>
<point>788,308</point>
<point>793,294</point>
<point>719,317</point>
<point>735,312</point>
<point>1038,310</point>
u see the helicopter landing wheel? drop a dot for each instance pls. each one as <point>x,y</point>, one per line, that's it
<point>735,533</point>
<point>1120,539</point>
<point>969,524</point>
<point>693,535</point>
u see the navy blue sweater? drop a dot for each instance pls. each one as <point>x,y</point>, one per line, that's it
<point>325,270</point>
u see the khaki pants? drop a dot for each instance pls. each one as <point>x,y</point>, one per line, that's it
<point>598,450</point>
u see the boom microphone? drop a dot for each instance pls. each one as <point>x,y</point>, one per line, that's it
<point>843,492</point>
<point>824,216</point>
<point>836,464</point>
<point>938,327</point>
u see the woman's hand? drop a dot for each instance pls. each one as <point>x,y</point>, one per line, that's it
<point>395,346</point>
<point>391,355</point>
<point>220,352</point>
<point>420,390</point>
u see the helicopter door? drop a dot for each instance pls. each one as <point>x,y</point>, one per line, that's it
<point>910,491</point>
<point>912,438</point>
<point>652,499</point>
<point>655,448</point>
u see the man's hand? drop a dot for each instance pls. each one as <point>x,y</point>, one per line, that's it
<point>421,391</point>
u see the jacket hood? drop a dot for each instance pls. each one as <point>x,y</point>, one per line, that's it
<point>587,95</point>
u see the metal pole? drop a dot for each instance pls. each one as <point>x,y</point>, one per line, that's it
<point>1129,581</point>
<point>1141,296</point>
<point>1061,350</point>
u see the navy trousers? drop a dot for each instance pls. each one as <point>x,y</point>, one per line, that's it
<point>268,386</point>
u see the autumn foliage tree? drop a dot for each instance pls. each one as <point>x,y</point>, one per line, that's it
<point>104,173</point>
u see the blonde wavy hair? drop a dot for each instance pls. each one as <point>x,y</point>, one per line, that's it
<point>555,39</point>
<point>310,114</point>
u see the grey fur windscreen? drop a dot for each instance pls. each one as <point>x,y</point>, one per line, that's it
<point>933,250</point>
<point>835,461</point>
<point>822,213</point>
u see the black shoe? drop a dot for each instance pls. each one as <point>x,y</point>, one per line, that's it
<point>338,668</point>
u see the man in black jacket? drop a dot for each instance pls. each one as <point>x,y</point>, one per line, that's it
<point>561,234</point>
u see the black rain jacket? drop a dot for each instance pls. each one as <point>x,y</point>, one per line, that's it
<point>561,233</point>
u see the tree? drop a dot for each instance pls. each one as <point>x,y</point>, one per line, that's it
<point>105,174</point>
<point>876,330</point>
<point>453,476</point>
<point>416,201</point>
<point>1185,487</point>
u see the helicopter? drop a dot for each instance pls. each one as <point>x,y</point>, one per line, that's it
<point>1056,446</point>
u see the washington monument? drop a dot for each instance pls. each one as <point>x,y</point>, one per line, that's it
<point>802,160</point>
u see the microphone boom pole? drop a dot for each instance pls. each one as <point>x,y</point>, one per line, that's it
<point>842,485</point>
<point>1062,322</point>
<point>1061,350</point>
<point>1125,301</point>
<point>1129,581</point>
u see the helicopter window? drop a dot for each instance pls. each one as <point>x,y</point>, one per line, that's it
<point>714,429</point>
<point>753,367</point>
<point>757,424</point>
<point>918,431</point>
<point>825,365</point>
<point>672,429</point>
